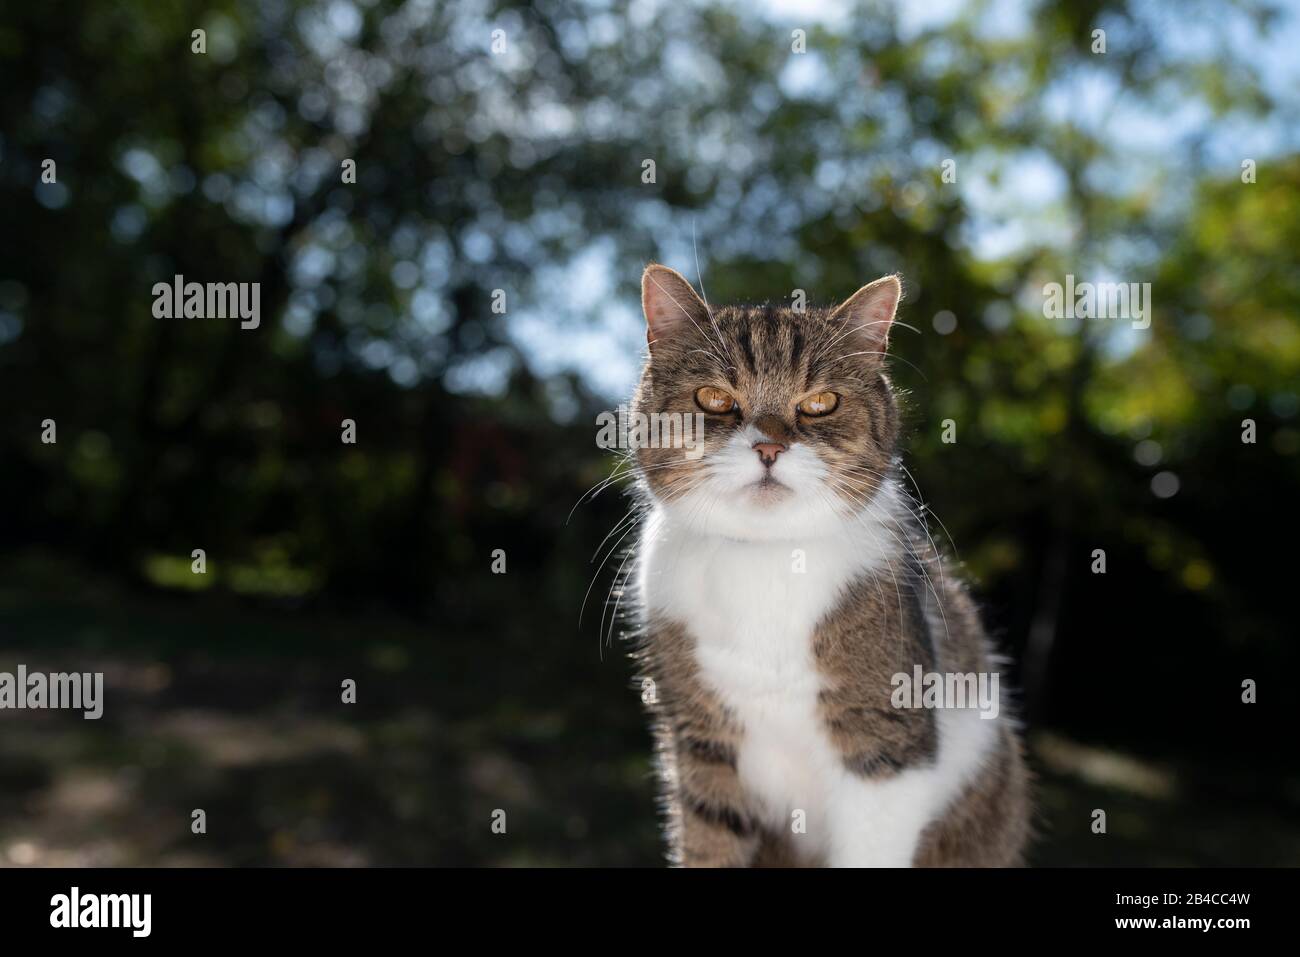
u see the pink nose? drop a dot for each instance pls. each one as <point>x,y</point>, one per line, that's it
<point>768,451</point>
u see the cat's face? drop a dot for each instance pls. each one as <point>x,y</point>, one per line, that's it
<point>799,419</point>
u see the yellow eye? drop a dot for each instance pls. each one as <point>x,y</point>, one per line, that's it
<point>714,400</point>
<point>819,404</point>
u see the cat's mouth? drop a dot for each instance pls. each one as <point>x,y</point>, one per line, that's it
<point>768,489</point>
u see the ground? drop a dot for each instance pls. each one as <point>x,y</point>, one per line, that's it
<point>216,705</point>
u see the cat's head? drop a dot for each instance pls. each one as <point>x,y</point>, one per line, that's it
<point>799,418</point>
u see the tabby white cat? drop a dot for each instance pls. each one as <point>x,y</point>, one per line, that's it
<point>785,584</point>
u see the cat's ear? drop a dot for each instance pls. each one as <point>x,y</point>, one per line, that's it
<point>670,304</point>
<point>870,312</point>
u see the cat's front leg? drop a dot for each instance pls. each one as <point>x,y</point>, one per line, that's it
<point>714,825</point>
<point>711,821</point>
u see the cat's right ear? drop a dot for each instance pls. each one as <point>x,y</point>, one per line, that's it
<point>669,303</point>
<point>869,313</point>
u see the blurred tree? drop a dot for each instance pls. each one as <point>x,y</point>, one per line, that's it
<point>518,173</point>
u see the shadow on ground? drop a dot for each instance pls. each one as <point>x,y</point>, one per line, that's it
<point>212,705</point>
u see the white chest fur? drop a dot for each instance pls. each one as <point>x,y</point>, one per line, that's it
<point>752,608</point>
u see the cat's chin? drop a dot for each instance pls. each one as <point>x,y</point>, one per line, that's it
<point>759,512</point>
<point>767,492</point>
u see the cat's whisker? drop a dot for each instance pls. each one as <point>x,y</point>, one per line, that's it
<point>868,504</point>
<point>850,330</point>
<point>708,352</point>
<point>688,315</point>
<point>632,470</point>
<point>699,272</point>
<point>888,563</point>
<point>630,514</point>
<point>930,511</point>
<point>619,585</point>
<point>582,611</point>
<point>876,352</point>
<point>631,519</point>
<point>614,475</point>
<point>920,565</point>
<point>914,509</point>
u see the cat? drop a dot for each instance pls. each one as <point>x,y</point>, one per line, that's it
<point>786,586</point>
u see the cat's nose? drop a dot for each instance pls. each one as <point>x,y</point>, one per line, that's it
<point>768,451</point>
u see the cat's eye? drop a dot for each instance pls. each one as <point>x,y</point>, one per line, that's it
<point>819,404</point>
<point>714,400</point>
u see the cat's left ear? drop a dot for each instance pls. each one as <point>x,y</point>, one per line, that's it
<point>870,311</point>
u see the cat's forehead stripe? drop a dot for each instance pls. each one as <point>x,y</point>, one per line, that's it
<point>771,343</point>
<point>747,349</point>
